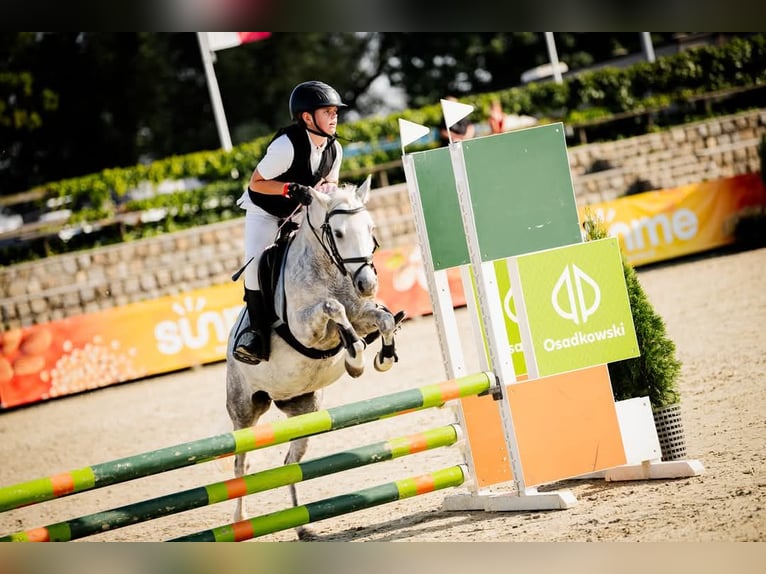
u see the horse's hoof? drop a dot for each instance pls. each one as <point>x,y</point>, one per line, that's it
<point>355,359</point>
<point>354,371</point>
<point>382,365</point>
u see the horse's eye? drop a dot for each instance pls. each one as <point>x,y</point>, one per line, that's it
<point>338,234</point>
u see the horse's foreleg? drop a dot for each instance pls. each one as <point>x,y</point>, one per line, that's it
<point>386,325</point>
<point>354,347</point>
<point>312,324</point>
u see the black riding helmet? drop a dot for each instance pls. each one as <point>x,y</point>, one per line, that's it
<point>312,95</point>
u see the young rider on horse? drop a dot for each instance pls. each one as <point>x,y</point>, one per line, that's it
<point>303,154</point>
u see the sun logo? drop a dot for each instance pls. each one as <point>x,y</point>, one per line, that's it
<point>195,328</point>
<point>190,305</point>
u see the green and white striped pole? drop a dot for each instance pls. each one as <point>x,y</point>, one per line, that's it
<point>242,440</point>
<point>331,507</point>
<point>221,491</point>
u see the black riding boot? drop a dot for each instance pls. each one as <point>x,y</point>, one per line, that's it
<point>257,340</point>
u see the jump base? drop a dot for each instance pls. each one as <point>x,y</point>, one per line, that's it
<point>648,470</point>
<point>530,500</point>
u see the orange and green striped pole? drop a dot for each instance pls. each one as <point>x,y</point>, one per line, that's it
<point>331,507</point>
<point>239,441</point>
<point>221,491</point>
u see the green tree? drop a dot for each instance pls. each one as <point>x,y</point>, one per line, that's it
<point>98,100</point>
<point>101,100</point>
<point>90,101</point>
<point>432,65</point>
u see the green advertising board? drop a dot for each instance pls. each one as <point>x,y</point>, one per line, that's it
<point>577,307</point>
<point>505,295</point>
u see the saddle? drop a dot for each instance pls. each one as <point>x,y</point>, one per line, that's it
<point>269,270</point>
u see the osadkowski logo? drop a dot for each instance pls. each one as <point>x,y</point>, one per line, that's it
<point>584,338</point>
<point>576,297</point>
<point>573,281</point>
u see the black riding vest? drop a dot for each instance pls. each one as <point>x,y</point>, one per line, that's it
<point>298,172</point>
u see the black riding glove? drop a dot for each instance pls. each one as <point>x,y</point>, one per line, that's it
<point>300,192</point>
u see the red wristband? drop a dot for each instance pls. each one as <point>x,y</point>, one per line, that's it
<point>284,188</point>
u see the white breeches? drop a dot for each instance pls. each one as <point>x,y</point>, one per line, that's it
<point>260,231</point>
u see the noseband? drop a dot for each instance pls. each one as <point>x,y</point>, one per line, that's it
<point>327,241</point>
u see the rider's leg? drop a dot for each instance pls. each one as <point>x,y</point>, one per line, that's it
<point>257,347</point>
<point>260,229</point>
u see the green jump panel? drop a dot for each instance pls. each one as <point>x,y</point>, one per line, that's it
<point>521,191</point>
<point>441,209</point>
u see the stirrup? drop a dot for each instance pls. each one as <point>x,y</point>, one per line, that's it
<point>243,353</point>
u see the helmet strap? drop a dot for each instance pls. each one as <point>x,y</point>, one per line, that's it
<point>319,133</point>
<point>330,138</point>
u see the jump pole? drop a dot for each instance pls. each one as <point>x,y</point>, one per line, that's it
<point>331,507</point>
<point>270,479</point>
<point>242,440</point>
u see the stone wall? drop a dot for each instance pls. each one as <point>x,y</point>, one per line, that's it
<point>695,152</point>
<point>74,284</point>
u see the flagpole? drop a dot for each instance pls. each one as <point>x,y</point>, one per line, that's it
<point>215,93</point>
<point>553,56</point>
<point>646,41</point>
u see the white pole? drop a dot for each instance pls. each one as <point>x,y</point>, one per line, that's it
<point>553,55</point>
<point>646,41</point>
<point>215,93</point>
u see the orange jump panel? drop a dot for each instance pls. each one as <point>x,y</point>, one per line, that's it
<point>565,425</point>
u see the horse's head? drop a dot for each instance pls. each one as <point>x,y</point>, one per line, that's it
<point>346,233</point>
<point>345,228</point>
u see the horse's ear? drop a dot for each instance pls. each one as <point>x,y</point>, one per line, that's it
<point>363,191</point>
<point>321,197</point>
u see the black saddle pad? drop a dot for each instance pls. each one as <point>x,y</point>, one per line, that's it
<point>270,266</point>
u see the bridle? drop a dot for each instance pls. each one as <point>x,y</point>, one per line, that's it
<point>327,241</point>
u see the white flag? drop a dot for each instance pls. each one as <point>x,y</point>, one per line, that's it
<point>454,111</point>
<point>410,131</point>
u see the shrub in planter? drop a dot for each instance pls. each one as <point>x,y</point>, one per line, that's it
<point>655,372</point>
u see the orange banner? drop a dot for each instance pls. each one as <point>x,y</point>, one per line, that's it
<point>116,345</point>
<point>659,225</point>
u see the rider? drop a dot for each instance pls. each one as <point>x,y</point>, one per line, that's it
<point>300,155</point>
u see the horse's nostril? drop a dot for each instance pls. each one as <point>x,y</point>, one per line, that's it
<point>365,285</point>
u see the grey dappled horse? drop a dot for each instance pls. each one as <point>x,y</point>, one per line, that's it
<point>328,283</point>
